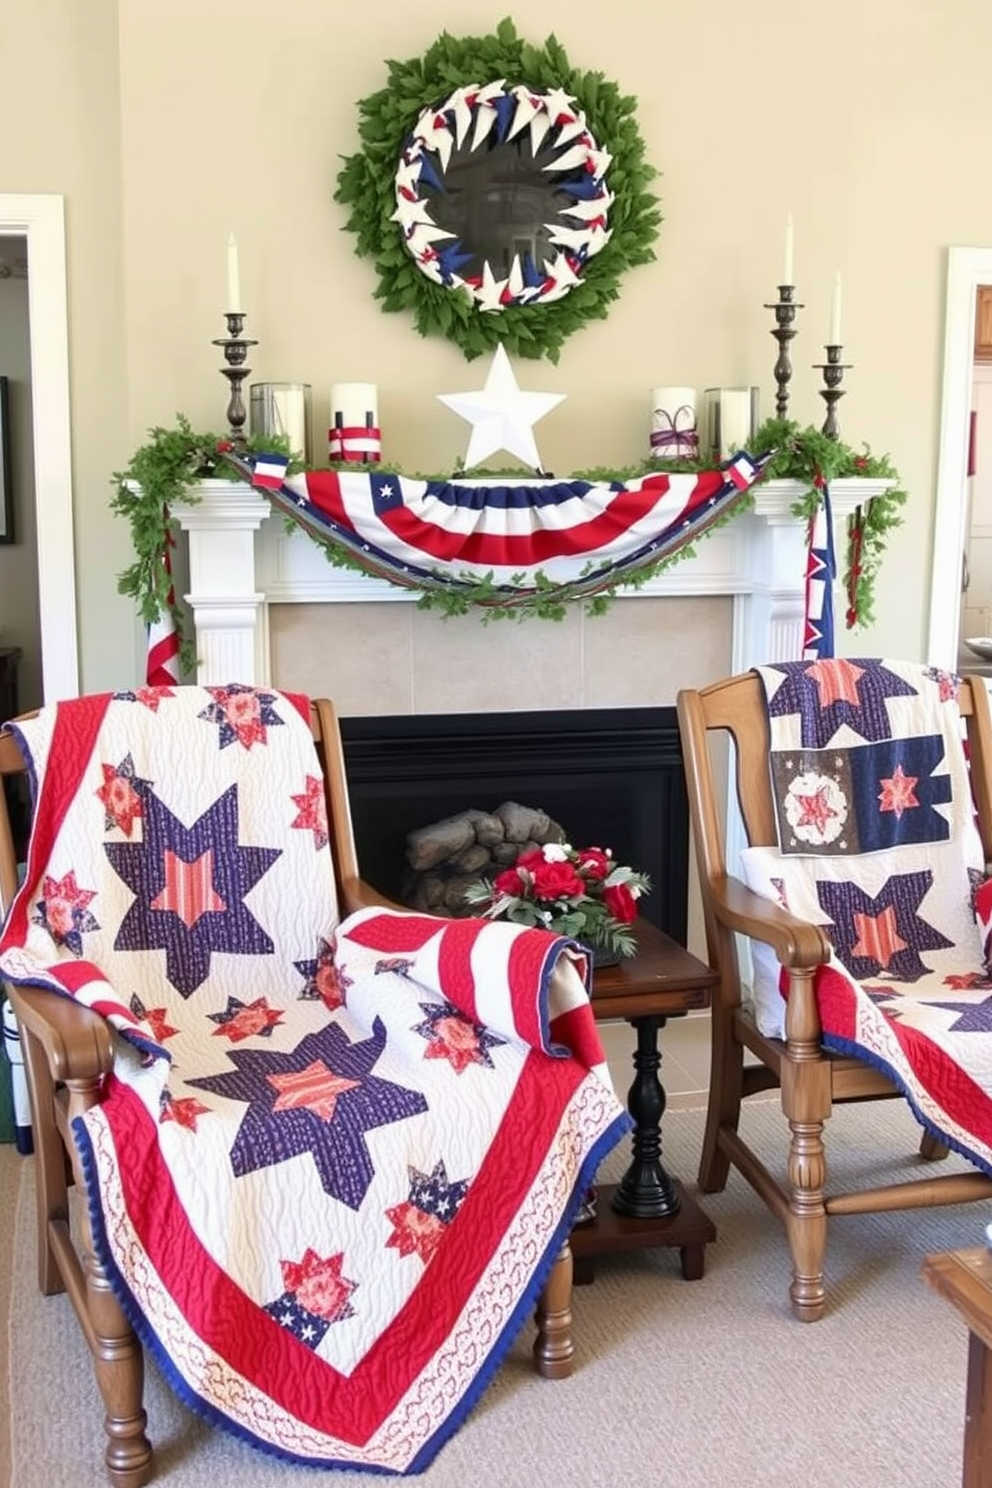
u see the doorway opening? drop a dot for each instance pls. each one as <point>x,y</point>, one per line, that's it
<point>38,222</point>
<point>968,269</point>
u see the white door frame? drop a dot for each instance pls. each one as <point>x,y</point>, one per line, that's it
<point>41,220</point>
<point>967,268</point>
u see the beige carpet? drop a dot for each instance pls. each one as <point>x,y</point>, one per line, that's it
<point>707,1384</point>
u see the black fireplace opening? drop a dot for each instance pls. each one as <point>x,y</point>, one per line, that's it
<point>612,777</point>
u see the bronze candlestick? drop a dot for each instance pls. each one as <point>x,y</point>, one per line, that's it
<point>833,370</point>
<point>785,313</point>
<point>235,354</point>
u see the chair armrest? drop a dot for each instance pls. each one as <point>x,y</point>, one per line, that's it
<point>78,1043</point>
<point>796,943</point>
<point>357,894</point>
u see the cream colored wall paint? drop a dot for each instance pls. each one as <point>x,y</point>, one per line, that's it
<point>59,113</point>
<point>871,123</point>
<point>18,570</point>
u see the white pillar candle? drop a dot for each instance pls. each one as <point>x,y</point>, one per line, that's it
<point>787,270</point>
<point>233,277</point>
<point>674,428</point>
<point>730,418</point>
<point>834,339</point>
<point>353,433</point>
<point>289,405</point>
<point>283,408</point>
<point>735,420</point>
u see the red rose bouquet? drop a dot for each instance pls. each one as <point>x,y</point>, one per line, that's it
<point>579,892</point>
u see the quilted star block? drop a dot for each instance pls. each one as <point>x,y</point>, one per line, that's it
<point>321,1098</point>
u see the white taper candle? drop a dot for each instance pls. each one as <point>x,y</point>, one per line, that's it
<point>834,339</point>
<point>233,277</point>
<point>787,270</point>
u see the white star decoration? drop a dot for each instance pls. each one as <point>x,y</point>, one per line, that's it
<point>502,417</point>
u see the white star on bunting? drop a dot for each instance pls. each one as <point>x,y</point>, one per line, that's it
<point>502,417</point>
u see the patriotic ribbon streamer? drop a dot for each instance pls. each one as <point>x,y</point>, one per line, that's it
<point>856,533</point>
<point>359,443</point>
<point>162,656</point>
<point>677,437</point>
<point>821,571</point>
<point>517,536</point>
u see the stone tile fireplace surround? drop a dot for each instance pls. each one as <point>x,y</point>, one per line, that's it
<point>268,608</point>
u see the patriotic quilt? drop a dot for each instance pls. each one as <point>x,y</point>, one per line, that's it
<point>878,844</point>
<point>335,1160</point>
<point>515,535</point>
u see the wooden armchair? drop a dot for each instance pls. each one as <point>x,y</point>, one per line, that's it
<point>810,1078</point>
<point>69,1055</point>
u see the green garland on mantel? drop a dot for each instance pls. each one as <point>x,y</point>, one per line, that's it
<point>813,458</point>
<point>164,472</point>
<point>366,185</point>
<point>160,474</point>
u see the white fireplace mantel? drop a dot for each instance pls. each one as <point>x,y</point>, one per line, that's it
<point>242,558</point>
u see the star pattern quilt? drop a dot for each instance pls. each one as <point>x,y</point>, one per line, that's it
<point>878,845</point>
<point>335,1161</point>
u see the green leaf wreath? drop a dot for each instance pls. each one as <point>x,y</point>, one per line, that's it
<point>366,184</point>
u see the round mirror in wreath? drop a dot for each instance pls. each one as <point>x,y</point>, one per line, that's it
<point>501,193</point>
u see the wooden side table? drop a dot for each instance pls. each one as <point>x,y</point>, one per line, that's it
<point>964,1277</point>
<point>647,1207</point>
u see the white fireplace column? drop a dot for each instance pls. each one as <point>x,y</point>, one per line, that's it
<point>230,614</point>
<point>770,610</point>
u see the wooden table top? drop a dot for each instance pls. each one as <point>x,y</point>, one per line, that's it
<point>663,979</point>
<point>964,1277</point>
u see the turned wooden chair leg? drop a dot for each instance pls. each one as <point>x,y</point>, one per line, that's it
<point>806,1224</point>
<point>932,1149</point>
<point>51,1178</point>
<point>120,1373</point>
<point>807,1102</point>
<point>553,1347</point>
<point>118,1359</point>
<point>726,1091</point>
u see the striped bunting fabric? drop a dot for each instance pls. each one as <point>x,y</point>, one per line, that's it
<point>576,534</point>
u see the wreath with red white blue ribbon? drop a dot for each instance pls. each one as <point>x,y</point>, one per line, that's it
<point>467,97</point>
<point>552,127</point>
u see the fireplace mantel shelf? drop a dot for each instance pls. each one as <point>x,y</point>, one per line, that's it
<point>291,569</point>
<point>240,562</point>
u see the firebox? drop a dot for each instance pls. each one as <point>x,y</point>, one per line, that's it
<point>612,777</point>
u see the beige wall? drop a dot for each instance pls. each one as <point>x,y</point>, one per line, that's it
<point>59,116</point>
<point>18,569</point>
<point>870,122</point>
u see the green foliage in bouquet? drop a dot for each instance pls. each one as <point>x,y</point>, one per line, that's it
<point>580,892</point>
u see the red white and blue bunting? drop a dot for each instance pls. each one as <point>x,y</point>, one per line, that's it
<point>482,116</point>
<point>515,537</point>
